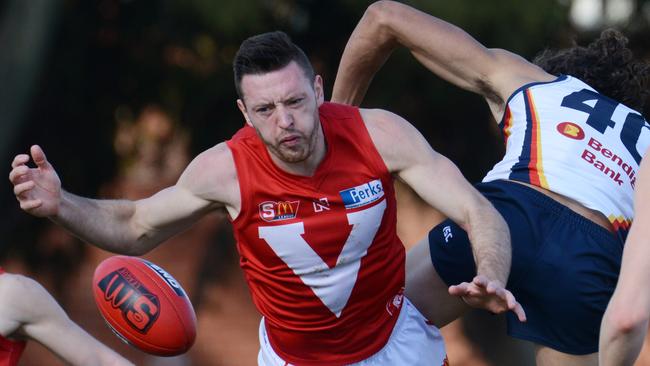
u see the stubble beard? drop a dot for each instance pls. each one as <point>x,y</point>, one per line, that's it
<point>297,153</point>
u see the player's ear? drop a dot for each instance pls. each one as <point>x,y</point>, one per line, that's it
<point>242,108</point>
<point>318,89</point>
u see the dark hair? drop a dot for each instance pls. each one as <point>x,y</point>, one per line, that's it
<point>268,52</point>
<point>606,64</point>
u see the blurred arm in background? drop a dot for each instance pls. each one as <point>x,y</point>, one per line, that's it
<point>625,323</point>
<point>443,48</point>
<point>27,310</point>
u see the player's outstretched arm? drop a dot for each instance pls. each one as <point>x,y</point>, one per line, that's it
<point>437,180</point>
<point>123,226</point>
<point>443,48</point>
<point>38,316</point>
<point>625,323</point>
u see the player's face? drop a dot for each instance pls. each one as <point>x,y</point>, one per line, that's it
<point>283,107</point>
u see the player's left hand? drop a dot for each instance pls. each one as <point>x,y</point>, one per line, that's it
<point>489,295</point>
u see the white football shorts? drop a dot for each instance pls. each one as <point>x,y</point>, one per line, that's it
<point>413,342</point>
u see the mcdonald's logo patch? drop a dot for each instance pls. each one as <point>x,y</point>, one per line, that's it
<point>571,130</point>
<point>276,211</point>
<point>139,307</point>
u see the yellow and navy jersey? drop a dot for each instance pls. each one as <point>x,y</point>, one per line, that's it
<point>568,138</point>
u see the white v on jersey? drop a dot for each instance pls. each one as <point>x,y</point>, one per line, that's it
<point>566,137</point>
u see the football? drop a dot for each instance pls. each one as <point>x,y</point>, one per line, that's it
<point>144,305</point>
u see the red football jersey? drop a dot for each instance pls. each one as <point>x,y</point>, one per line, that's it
<point>10,350</point>
<point>321,254</point>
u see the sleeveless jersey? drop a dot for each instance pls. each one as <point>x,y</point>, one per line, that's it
<point>320,254</point>
<point>10,351</point>
<point>566,137</point>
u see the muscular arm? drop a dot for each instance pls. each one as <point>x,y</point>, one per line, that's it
<point>437,180</point>
<point>135,227</point>
<point>37,316</point>
<point>130,227</point>
<point>446,50</point>
<point>625,323</point>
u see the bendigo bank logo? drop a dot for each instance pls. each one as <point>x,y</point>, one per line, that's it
<point>571,130</point>
<point>140,308</point>
<point>282,210</point>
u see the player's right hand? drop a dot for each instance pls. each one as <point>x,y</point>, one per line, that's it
<point>38,190</point>
<point>489,295</point>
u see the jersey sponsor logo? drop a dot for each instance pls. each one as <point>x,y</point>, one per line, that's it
<point>363,194</point>
<point>321,205</point>
<point>591,157</point>
<point>276,211</point>
<point>332,285</point>
<point>571,130</point>
<point>140,308</point>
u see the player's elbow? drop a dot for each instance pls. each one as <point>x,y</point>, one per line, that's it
<point>141,246</point>
<point>141,240</point>
<point>624,321</point>
<point>137,244</point>
<point>378,10</point>
<point>380,14</point>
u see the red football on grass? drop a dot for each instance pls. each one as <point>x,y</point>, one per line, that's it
<point>144,305</point>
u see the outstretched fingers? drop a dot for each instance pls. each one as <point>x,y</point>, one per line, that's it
<point>466,289</point>
<point>489,295</point>
<point>462,289</point>
<point>519,311</point>
<point>515,306</point>
<point>508,299</point>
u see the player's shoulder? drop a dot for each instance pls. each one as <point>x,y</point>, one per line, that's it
<point>395,138</point>
<point>216,160</point>
<point>211,172</point>
<point>215,154</point>
<point>398,142</point>
<point>510,73</point>
<point>385,123</point>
